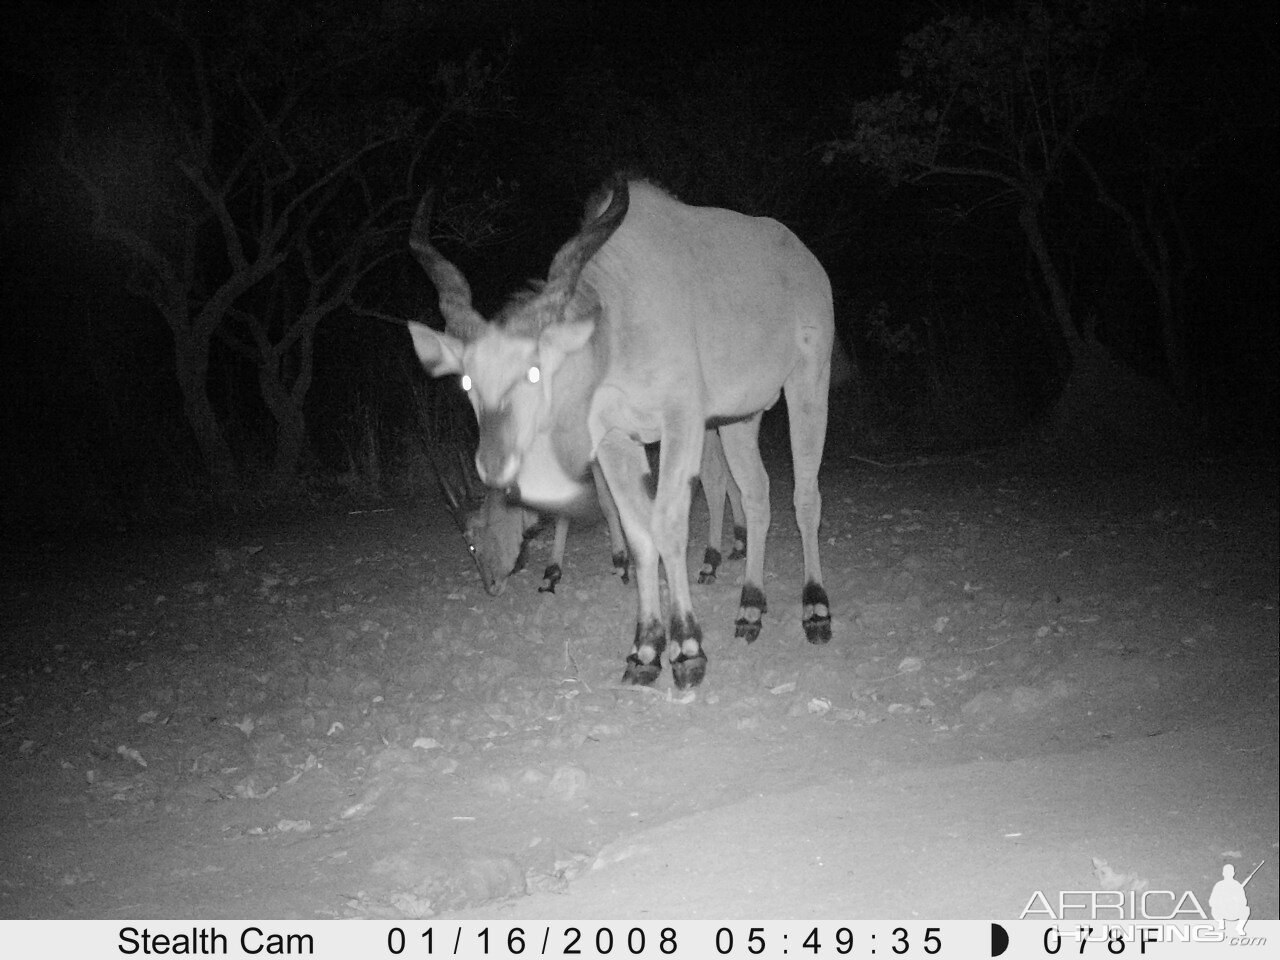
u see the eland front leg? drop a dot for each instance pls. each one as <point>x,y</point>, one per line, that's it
<point>626,471</point>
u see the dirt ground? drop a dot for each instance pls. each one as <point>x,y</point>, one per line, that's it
<point>1037,681</point>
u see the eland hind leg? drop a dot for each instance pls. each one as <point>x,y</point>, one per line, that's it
<point>717,482</point>
<point>742,451</point>
<point>682,441</point>
<point>626,470</point>
<point>806,390</point>
<point>739,518</point>
<point>551,575</point>
<point>617,541</point>
<point>620,557</point>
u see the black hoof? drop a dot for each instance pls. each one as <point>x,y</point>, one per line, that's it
<point>644,662</point>
<point>689,672</point>
<point>815,614</point>
<point>622,566</point>
<point>550,577</point>
<point>818,630</point>
<point>688,661</point>
<point>710,563</point>
<point>739,543</point>
<point>751,608</point>
<point>640,674</point>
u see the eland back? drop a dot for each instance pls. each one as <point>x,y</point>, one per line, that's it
<point>656,320</point>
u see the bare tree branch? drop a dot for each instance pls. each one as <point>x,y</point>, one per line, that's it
<point>362,311</point>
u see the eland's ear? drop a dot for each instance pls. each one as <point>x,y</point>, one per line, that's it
<point>559,339</point>
<point>440,353</point>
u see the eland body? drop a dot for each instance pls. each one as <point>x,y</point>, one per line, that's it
<point>657,320</point>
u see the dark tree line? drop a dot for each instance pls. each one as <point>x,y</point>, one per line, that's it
<point>1028,207</point>
<point>1088,122</point>
<point>266,169</point>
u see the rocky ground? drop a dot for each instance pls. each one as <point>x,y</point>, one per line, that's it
<point>1037,681</point>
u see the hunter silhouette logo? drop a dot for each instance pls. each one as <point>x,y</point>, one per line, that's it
<point>1227,901</point>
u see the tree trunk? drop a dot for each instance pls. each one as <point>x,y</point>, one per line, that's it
<point>286,411</point>
<point>291,438</point>
<point>1171,337</point>
<point>1151,250</point>
<point>1068,342</point>
<point>192,367</point>
<point>1162,274</point>
<point>1107,416</point>
<point>287,400</point>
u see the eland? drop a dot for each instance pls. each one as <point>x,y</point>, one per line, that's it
<point>657,320</point>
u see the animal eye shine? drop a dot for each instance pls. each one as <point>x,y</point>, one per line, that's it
<point>534,374</point>
<point>466,383</point>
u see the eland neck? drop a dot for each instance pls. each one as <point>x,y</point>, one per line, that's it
<point>554,470</point>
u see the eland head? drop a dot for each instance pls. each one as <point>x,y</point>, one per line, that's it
<point>495,530</point>
<point>509,366</point>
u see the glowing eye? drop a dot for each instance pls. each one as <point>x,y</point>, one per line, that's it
<point>466,383</point>
<point>534,374</point>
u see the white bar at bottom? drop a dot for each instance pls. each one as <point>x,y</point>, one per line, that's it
<point>654,940</point>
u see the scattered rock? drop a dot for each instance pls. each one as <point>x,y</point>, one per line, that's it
<point>494,785</point>
<point>568,784</point>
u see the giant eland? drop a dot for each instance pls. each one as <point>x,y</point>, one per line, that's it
<point>656,320</point>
